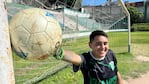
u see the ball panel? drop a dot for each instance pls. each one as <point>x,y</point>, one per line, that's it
<point>39,25</point>
<point>47,16</point>
<point>36,44</point>
<point>35,23</point>
<point>16,21</point>
<point>56,30</point>
<point>19,36</point>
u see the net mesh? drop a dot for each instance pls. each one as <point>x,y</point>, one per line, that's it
<point>108,16</point>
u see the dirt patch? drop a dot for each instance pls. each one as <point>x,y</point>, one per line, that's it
<point>140,49</point>
<point>143,79</point>
<point>142,58</point>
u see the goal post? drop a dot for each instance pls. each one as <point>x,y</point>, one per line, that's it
<point>129,28</point>
<point>6,64</point>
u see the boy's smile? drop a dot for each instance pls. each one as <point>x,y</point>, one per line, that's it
<point>99,46</point>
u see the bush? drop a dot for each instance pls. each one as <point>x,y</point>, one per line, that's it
<point>140,27</point>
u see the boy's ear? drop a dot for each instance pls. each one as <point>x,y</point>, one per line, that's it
<point>89,44</point>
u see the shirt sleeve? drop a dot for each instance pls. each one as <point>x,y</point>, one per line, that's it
<point>77,67</point>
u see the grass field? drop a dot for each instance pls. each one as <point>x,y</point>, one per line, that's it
<point>127,64</point>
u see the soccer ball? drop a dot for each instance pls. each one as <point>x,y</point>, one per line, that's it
<point>35,33</point>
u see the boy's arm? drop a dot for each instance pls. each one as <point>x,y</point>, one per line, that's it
<point>119,81</point>
<point>72,57</point>
<point>68,56</point>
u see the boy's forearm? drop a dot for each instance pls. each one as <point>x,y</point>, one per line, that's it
<point>119,81</point>
<point>72,57</point>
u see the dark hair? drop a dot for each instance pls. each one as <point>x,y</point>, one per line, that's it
<point>97,33</point>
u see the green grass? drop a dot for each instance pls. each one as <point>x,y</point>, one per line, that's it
<point>127,64</point>
<point>140,43</point>
<point>140,37</point>
<point>118,41</point>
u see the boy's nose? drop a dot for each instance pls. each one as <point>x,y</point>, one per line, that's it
<point>102,45</point>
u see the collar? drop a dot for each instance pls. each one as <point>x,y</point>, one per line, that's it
<point>98,59</point>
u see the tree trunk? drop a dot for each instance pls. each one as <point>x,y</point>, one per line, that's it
<point>6,64</point>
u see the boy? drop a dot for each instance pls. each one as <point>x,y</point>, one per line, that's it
<point>98,66</point>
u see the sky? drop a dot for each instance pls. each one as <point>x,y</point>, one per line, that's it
<point>98,2</point>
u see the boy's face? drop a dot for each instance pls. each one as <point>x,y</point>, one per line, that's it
<point>99,46</point>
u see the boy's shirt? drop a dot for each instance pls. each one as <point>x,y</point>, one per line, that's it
<point>98,71</point>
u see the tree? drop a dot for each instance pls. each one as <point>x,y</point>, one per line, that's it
<point>6,65</point>
<point>135,14</point>
<point>146,4</point>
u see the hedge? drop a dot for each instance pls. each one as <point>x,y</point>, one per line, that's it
<point>140,27</point>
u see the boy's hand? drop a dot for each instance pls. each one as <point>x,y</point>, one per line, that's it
<point>59,53</point>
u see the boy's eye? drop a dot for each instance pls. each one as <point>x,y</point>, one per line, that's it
<point>101,43</point>
<point>105,43</point>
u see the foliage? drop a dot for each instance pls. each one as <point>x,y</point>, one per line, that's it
<point>140,27</point>
<point>135,14</point>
